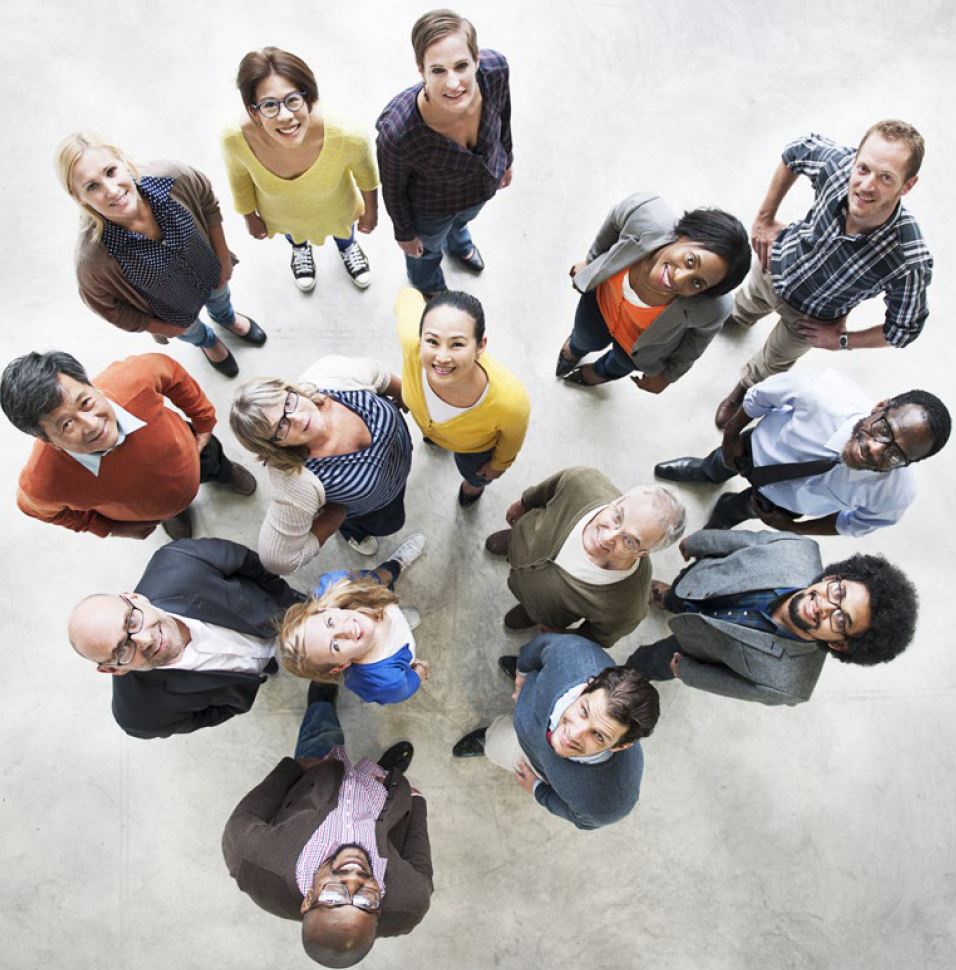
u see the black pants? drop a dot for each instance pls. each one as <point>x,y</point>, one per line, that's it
<point>381,522</point>
<point>214,466</point>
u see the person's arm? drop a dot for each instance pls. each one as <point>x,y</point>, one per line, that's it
<point>715,678</point>
<point>765,227</point>
<point>286,540</point>
<point>732,446</point>
<point>173,381</point>
<point>532,655</point>
<point>139,726</point>
<point>596,631</point>
<point>826,525</point>
<point>548,798</point>
<point>328,521</point>
<point>403,683</point>
<point>233,559</point>
<point>241,185</point>
<point>105,302</point>
<point>217,239</point>
<point>511,433</point>
<point>721,542</point>
<point>693,343</point>
<point>395,176</point>
<point>80,520</point>
<point>416,848</point>
<point>538,496</point>
<point>505,112</point>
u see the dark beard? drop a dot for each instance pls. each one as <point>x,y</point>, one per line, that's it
<point>796,617</point>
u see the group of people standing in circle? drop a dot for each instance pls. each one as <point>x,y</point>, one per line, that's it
<point>344,849</point>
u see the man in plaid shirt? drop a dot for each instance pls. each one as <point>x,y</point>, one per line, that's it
<point>856,241</point>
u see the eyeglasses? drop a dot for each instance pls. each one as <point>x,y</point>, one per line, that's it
<point>125,652</point>
<point>835,594</point>
<point>269,107</point>
<point>893,456</point>
<point>631,543</point>
<point>336,894</point>
<point>285,426</point>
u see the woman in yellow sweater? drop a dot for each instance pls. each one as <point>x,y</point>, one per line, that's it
<point>299,169</point>
<point>460,397</point>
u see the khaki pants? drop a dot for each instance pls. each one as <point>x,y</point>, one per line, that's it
<point>501,744</point>
<point>784,345</point>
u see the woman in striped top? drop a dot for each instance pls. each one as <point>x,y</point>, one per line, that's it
<point>338,454</point>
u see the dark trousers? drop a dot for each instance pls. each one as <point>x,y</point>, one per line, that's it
<point>214,466</point>
<point>653,659</point>
<point>590,333</point>
<point>381,522</point>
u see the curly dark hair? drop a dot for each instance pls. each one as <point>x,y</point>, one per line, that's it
<point>631,700</point>
<point>894,607</point>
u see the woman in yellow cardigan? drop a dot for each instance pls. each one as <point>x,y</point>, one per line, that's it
<point>460,397</point>
<point>298,169</point>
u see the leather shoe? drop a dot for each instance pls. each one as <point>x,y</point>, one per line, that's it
<point>517,618</point>
<point>180,526</point>
<point>472,261</point>
<point>498,543</point>
<point>472,745</point>
<point>322,693</point>
<point>227,366</point>
<point>723,515</point>
<point>465,500</point>
<point>729,405</point>
<point>682,470</point>
<point>565,364</point>
<point>509,664</point>
<point>398,757</point>
<point>255,335</point>
<point>241,480</point>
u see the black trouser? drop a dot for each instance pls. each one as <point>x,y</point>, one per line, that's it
<point>653,659</point>
<point>214,466</point>
<point>381,522</point>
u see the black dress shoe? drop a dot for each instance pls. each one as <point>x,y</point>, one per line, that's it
<point>471,745</point>
<point>472,261</point>
<point>227,366</point>
<point>255,335</point>
<point>565,364</point>
<point>398,756</point>
<point>509,664</point>
<point>465,500</point>
<point>517,618</point>
<point>682,470</point>
<point>322,693</point>
<point>180,526</point>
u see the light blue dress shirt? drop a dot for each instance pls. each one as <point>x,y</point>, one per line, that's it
<point>808,415</point>
<point>127,424</point>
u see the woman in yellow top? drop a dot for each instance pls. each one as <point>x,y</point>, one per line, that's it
<point>298,169</point>
<point>460,397</point>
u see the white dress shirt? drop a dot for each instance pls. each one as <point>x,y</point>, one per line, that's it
<point>214,647</point>
<point>808,415</point>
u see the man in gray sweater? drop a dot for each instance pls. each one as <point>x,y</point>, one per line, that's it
<point>573,739</point>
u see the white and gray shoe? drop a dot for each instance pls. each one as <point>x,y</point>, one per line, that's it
<point>303,267</point>
<point>412,617</point>
<point>408,551</point>
<point>364,547</point>
<point>356,265</point>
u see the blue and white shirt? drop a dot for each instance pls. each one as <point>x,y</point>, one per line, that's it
<point>367,480</point>
<point>176,274</point>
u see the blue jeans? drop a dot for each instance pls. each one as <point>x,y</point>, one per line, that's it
<point>343,244</point>
<point>438,233</point>
<point>591,333</point>
<point>319,732</point>
<point>219,308</point>
<point>468,465</point>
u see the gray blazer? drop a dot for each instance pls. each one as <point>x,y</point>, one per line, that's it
<point>733,660</point>
<point>634,228</point>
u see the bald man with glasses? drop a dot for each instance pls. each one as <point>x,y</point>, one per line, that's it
<point>191,645</point>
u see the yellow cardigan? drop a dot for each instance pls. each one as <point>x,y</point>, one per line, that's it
<point>322,201</point>
<point>499,422</point>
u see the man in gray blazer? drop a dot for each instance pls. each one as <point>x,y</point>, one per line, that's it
<point>757,615</point>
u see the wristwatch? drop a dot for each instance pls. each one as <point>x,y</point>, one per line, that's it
<point>844,341</point>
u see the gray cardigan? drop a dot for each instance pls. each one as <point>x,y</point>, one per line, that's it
<point>633,229</point>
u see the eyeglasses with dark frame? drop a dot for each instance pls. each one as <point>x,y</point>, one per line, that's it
<point>879,430</point>
<point>269,107</point>
<point>285,426</point>
<point>335,894</point>
<point>835,594</point>
<point>125,652</point>
<point>631,542</point>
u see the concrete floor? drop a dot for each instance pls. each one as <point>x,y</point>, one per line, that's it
<point>815,837</point>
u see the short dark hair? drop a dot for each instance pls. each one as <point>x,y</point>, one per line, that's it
<point>30,388</point>
<point>436,24</point>
<point>256,66</point>
<point>724,235</point>
<point>892,129</point>
<point>894,607</point>
<point>632,700</point>
<point>937,416</point>
<point>460,301</point>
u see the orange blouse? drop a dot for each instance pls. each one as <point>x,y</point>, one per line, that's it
<point>625,321</point>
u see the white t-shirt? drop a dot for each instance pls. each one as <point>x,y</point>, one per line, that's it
<point>441,411</point>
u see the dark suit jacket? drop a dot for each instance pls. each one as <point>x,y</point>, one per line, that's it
<point>269,828</point>
<point>218,582</point>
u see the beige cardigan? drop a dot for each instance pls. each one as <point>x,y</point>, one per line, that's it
<point>286,541</point>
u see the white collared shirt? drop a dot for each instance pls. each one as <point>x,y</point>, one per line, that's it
<point>126,423</point>
<point>214,647</point>
<point>808,415</point>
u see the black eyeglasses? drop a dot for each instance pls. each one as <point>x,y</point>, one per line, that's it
<point>893,456</point>
<point>285,425</point>
<point>125,652</point>
<point>835,594</point>
<point>269,107</point>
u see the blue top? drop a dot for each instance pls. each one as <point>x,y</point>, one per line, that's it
<point>175,274</point>
<point>753,609</point>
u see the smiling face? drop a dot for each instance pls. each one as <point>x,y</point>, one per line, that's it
<point>448,346</point>
<point>304,424</point>
<point>906,425</point>
<point>288,128</point>
<point>877,182</point>
<point>621,533</point>
<point>103,183</point>
<point>100,625</point>
<point>813,616</point>
<point>335,638</point>
<point>683,268</point>
<point>586,729</point>
<point>85,421</point>
<point>449,73</point>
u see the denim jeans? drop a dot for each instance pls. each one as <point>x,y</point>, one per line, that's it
<point>319,732</point>
<point>437,233</point>
<point>590,333</point>
<point>343,244</point>
<point>468,465</point>
<point>219,308</point>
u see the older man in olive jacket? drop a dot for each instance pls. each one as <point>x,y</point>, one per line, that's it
<point>578,549</point>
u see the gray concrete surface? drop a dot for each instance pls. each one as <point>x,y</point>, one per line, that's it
<point>817,837</point>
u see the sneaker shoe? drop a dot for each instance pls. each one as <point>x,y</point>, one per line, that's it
<point>408,551</point>
<point>356,265</point>
<point>364,547</point>
<point>303,267</point>
<point>412,617</point>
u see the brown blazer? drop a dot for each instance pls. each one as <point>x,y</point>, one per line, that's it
<point>269,828</point>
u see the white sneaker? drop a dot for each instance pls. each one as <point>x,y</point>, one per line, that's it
<point>303,267</point>
<point>412,617</point>
<point>408,551</point>
<point>364,547</point>
<point>356,265</point>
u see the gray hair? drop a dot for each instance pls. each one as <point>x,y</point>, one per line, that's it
<point>672,514</point>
